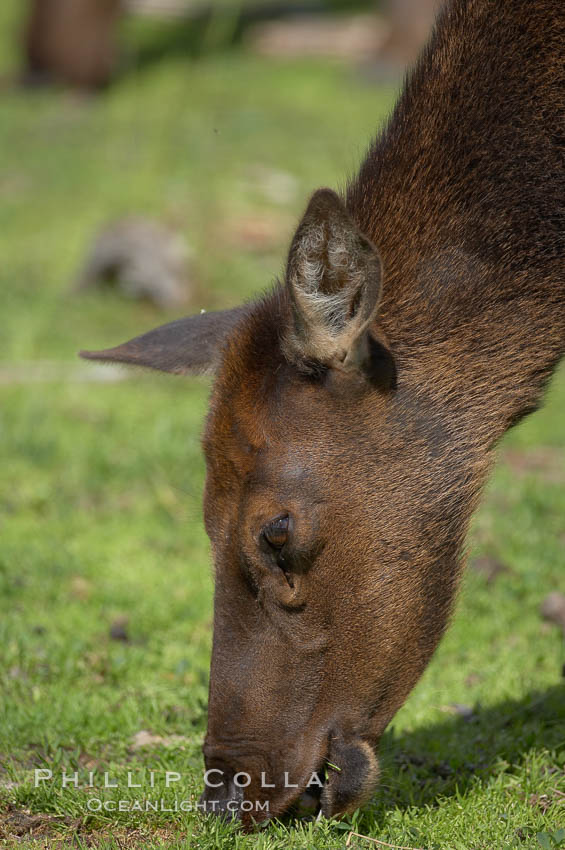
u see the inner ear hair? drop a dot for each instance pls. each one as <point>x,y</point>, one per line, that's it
<point>334,285</point>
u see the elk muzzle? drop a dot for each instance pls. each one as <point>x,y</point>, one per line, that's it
<point>333,774</point>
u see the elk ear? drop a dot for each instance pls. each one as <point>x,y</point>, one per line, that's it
<point>334,282</point>
<point>190,346</point>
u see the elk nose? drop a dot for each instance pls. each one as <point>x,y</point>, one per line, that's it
<point>222,796</point>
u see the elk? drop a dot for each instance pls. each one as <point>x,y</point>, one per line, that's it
<point>357,405</point>
<point>71,41</point>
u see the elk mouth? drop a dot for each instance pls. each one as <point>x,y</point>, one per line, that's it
<point>229,800</point>
<point>344,779</point>
<point>309,803</point>
<point>307,806</point>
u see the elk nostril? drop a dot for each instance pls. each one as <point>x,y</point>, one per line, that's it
<point>222,799</point>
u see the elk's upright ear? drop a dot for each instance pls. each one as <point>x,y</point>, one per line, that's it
<point>190,346</point>
<point>334,282</point>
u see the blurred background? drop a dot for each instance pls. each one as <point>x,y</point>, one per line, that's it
<point>154,158</point>
<point>159,150</point>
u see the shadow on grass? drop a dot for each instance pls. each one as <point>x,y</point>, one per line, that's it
<point>452,756</point>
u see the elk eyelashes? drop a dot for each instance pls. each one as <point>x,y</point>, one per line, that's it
<point>276,532</point>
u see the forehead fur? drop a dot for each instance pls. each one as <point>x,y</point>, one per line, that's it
<point>253,371</point>
<point>254,350</point>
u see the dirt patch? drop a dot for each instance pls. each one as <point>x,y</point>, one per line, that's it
<point>17,823</point>
<point>553,609</point>
<point>490,568</point>
<point>42,830</point>
<point>259,234</point>
<point>545,462</point>
<point>144,740</point>
<point>346,38</point>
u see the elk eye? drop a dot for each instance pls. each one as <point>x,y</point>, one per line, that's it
<point>276,531</point>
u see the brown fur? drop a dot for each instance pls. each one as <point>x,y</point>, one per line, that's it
<point>376,441</point>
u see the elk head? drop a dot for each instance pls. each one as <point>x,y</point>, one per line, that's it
<point>334,548</point>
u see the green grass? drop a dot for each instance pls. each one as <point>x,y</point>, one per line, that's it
<point>101,484</point>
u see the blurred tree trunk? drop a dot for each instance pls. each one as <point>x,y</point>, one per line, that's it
<point>73,41</point>
<point>411,22</point>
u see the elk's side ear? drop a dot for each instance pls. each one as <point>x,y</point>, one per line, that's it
<point>334,282</point>
<point>190,346</point>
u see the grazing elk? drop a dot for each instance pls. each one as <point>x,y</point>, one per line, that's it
<point>356,406</point>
